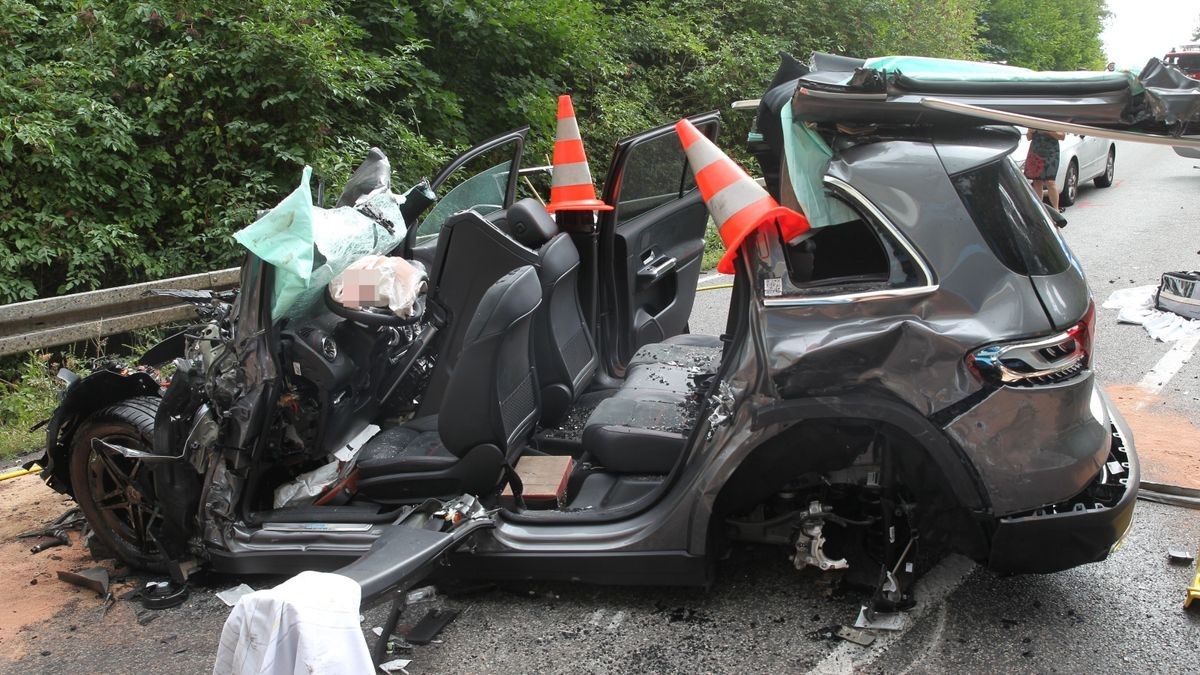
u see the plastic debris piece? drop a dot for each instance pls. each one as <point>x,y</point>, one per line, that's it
<point>349,452</point>
<point>95,578</point>
<point>430,626</point>
<point>164,594</point>
<point>395,666</point>
<point>230,596</point>
<point>858,637</point>
<point>881,620</point>
<point>1180,556</point>
<point>378,630</point>
<point>422,594</point>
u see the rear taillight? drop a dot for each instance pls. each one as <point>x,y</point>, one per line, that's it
<point>1039,361</point>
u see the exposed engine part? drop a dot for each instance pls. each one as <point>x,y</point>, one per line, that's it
<point>810,541</point>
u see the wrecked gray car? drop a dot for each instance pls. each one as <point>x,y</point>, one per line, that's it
<point>916,369</point>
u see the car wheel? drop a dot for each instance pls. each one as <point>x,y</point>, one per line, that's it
<point>1106,179</point>
<point>115,493</point>
<point>1070,188</point>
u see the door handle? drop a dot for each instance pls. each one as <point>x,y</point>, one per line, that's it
<point>655,270</point>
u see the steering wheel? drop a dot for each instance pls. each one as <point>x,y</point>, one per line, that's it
<point>376,316</point>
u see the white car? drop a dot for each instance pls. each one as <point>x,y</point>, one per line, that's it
<point>1081,158</point>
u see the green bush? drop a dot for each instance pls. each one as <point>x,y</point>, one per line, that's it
<point>133,140</point>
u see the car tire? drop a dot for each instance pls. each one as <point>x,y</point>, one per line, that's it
<point>116,494</point>
<point>1070,188</point>
<point>1106,179</point>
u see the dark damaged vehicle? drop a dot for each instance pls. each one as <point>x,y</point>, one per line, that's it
<point>917,367</point>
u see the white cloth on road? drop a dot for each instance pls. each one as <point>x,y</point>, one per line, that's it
<point>307,625</point>
<point>1136,306</point>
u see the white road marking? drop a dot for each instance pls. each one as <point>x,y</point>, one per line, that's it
<point>712,277</point>
<point>1169,365</point>
<point>931,590</point>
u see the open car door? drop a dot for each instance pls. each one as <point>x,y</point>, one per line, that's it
<point>652,241</point>
<point>483,178</point>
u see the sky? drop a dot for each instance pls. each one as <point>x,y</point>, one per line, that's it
<point>1140,29</point>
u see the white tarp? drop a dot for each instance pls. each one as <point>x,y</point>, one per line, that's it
<point>308,625</point>
<point>1136,306</point>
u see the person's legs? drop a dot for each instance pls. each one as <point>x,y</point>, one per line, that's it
<point>1052,188</point>
<point>1037,188</point>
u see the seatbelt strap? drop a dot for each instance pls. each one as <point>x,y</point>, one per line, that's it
<point>514,481</point>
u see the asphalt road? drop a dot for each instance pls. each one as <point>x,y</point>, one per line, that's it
<point>761,615</point>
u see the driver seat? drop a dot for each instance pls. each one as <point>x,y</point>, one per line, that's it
<point>487,414</point>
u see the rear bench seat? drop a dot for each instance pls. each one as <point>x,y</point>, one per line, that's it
<point>644,426</point>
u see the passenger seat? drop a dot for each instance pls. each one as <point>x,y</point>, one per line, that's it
<point>565,353</point>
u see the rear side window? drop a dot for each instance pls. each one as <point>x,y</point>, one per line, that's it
<point>1011,220</point>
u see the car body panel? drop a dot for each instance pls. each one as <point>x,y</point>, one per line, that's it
<point>1035,446</point>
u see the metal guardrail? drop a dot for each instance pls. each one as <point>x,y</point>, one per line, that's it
<point>50,322</point>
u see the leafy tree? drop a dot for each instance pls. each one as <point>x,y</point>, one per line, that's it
<point>1061,35</point>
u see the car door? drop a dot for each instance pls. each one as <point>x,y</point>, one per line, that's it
<point>652,241</point>
<point>484,178</point>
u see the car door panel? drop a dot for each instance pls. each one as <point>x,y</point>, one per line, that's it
<point>664,249</point>
<point>653,242</point>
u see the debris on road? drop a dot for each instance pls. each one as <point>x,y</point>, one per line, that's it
<point>428,628</point>
<point>95,578</point>
<point>395,666</point>
<point>1137,306</point>
<point>163,594</point>
<point>230,596</point>
<point>1180,556</point>
<point>880,621</point>
<point>858,637</point>
<point>72,519</point>
<point>58,538</point>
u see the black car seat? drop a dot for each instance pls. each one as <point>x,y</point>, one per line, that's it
<point>472,253</point>
<point>489,410</point>
<point>565,352</point>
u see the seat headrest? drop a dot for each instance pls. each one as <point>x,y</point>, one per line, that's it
<point>530,224</point>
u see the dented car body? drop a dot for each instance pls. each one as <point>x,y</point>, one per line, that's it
<point>918,369</point>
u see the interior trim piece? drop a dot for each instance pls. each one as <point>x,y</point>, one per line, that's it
<point>929,286</point>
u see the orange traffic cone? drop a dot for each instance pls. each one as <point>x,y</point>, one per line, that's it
<point>737,203</point>
<point>571,186</point>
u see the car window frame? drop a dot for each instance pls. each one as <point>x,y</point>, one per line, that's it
<point>927,282</point>
<point>499,140</point>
